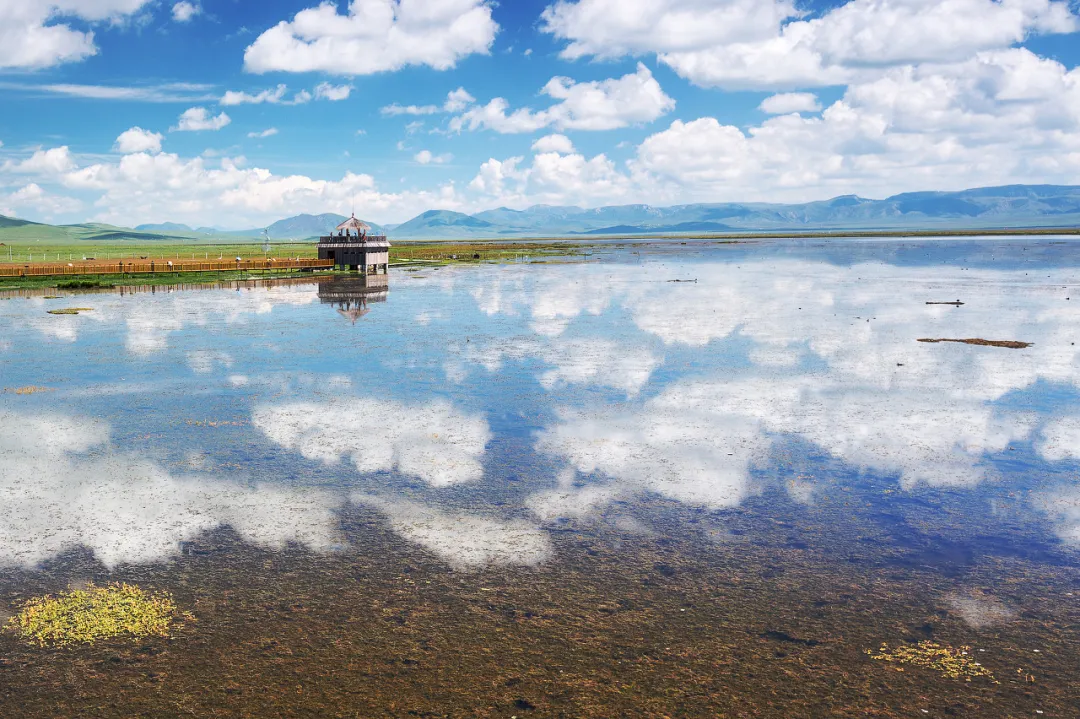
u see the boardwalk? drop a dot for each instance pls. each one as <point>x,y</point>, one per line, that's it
<point>146,267</point>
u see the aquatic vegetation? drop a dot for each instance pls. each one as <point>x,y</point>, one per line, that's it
<point>952,662</point>
<point>71,310</point>
<point>83,285</point>
<point>83,616</point>
<point>27,390</point>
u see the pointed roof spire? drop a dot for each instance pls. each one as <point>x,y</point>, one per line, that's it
<point>354,224</point>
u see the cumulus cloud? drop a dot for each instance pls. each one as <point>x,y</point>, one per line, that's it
<point>554,143</point>
<point>144,187</point>
<point>435,442</point>
<point>425,157</point>
<point>788,102</point>
<point>375,36</point>
<point>269,132</point>
<point>613,28</point>
<point>54,161</point>
<point>138,140</point>
<point>184,11</point>
<point>601,105</point>
<point>30,38</point>
<point>33,198</point>
<point>552,178</point>
<point>333,93</point>
<point>743,44</point>
<point>198,119</point>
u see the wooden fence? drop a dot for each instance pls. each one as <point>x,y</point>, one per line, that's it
<point>161,267</point>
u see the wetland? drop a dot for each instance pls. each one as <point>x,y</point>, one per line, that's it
<point>650,480</point>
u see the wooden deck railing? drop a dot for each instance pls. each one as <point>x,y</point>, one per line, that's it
<point>162,267</point>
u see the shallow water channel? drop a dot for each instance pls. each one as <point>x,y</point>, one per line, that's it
<point>694,480</point>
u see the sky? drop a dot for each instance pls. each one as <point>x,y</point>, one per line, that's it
<point>233,113</point>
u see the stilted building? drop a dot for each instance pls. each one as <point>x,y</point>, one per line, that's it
<point>351,247</point>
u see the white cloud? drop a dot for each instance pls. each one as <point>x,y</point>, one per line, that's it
<point>233,97</point>
<point>554,143</point>
<point>333,93</point>
<point>269,132</point>
<point>32,198</point>
<point>424,157</point>
<point>394,109</point>
<point>198,119</point>
<point>747,44</point>
<point>456,101</point>
<point>435,442</point>
<point>553,179</point>
<point>143,188</point>
<point>184,11</point>
<point>323,91</point>
<point>30,38</point>
<point>167,92</point>
<point>53,161</point>
<point>789,102</point>
<point>602,105</point>
<point>375,36</point>
<point>138,140</point>
<point>612,28</point>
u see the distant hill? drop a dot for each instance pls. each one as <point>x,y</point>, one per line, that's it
<point>14,222</point>
<point>444,223</point>
<point>301,227</point>
<point>164,227</point>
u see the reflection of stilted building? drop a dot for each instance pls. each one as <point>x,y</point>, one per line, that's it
<point>350,246</point>
<point>351,295</point>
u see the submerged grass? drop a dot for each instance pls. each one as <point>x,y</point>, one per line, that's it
<point>83,616</point>
<point>951,662</point>
<point>71,310</point>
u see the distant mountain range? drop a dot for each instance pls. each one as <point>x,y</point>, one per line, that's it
<point>292,228</point>
<point>1017,206</point>
<point>1013,206</point>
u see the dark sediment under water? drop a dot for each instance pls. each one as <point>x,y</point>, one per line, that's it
<point>672,480</point>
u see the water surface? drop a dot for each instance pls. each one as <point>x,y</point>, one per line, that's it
<point>671,480</point>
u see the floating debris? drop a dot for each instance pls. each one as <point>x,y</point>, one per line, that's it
<point>93,613</point>
<point>71,310</point>
<point>952,662</point>
<point>1011,344</point>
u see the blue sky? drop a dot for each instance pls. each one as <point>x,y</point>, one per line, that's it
<point>132,111</point>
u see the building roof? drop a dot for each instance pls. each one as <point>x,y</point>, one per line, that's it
<point>353,224</point>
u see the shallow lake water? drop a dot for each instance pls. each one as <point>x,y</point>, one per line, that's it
<point>673,480</point>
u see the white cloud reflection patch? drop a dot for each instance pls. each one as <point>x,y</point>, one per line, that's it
<point>62,487</point>
<point>436,442</point>
<point>463,540</point>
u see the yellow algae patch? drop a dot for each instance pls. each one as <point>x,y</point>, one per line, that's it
<point>27,390</point>
<point>952,662</point>
<point>71,310</point>
<point>86,615</point>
